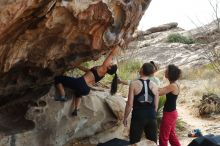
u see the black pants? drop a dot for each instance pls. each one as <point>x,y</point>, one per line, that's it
<point>140,125</point>
<point>77,84</point>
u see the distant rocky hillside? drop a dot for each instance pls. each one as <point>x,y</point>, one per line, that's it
<point>152,45</point>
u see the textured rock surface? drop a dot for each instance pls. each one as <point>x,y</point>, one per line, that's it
<point>100,119</point>
<point>152,45</point>
<point>39,37</point>
<point>145,142</point>
<point>161,28</point>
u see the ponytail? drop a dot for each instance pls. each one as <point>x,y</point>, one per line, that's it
<point>114,85</point>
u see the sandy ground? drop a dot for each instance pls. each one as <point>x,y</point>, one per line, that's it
<point>207,126</point>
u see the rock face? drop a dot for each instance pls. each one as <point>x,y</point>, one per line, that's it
<point>53,125</point>
<point>152,45</point>
<point>145,142</point>
<point>39,37</point>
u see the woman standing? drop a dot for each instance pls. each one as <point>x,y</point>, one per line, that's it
<point>168,123</point>
<point>143,98</point>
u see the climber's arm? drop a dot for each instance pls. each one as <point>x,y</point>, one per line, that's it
<point>82,68</point>
<point>76,64</point>
<point>129,104</point>
<point>108,61</point>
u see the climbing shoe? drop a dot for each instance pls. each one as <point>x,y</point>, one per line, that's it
<point>74,113</point>
<point>60,98</point>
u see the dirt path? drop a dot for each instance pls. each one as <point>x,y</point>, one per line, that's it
<point>207,126</point>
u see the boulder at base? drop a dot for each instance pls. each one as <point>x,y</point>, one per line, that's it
<point>99,120</point>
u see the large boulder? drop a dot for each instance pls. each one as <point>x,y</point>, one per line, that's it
<point>99,119</point>
<point>145,142</point>
<point>38,38</point>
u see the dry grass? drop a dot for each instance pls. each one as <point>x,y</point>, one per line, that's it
<point>205,72</point>
<point>195,83</point>
<point>204,79</point>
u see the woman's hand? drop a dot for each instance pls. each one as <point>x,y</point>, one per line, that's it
<point>124,82</point>
<point>119,80</point>
<point>96,57</point>
<point>125,122</point>
<point>70,65</point>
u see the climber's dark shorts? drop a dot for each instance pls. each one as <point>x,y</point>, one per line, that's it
<point>77,84</point>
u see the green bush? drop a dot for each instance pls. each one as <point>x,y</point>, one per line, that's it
<point>178,38</point>
<point>128,70</point>
<point>180,125</point>
<point>161,103</point>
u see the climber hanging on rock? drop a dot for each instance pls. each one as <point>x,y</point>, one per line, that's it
<point>83,84</point>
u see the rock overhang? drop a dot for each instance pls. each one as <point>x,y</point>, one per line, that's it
<point>39,37</point>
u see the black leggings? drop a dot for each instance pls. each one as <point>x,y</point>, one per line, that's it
<point>77,84</point>
<point>146,125</point>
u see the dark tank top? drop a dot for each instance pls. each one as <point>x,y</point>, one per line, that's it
<point>145,109</point>
<point>170,104</point>
<point>95,73</point>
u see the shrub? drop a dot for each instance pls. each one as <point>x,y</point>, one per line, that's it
<point>128,70</point>
<point>180,125</point>
<point>209,104</point>
<point>178,38</point>
<point>161,103</point>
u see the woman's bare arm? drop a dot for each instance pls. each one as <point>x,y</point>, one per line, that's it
<point>109,58</point>
<point>82,68</point>
<point>124,82</point>
<point>129,103</point>
<point>76,62</point>
<point>155,91</point>
<point>169,88</point>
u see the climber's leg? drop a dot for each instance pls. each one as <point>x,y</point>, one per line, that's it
<point>76,103</point>
<point>82,89</point>
<point>61,91</point>
<point>65,81</point>
<point>60,83</point>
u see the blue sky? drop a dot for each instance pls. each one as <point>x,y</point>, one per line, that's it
<point>188,13</point>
